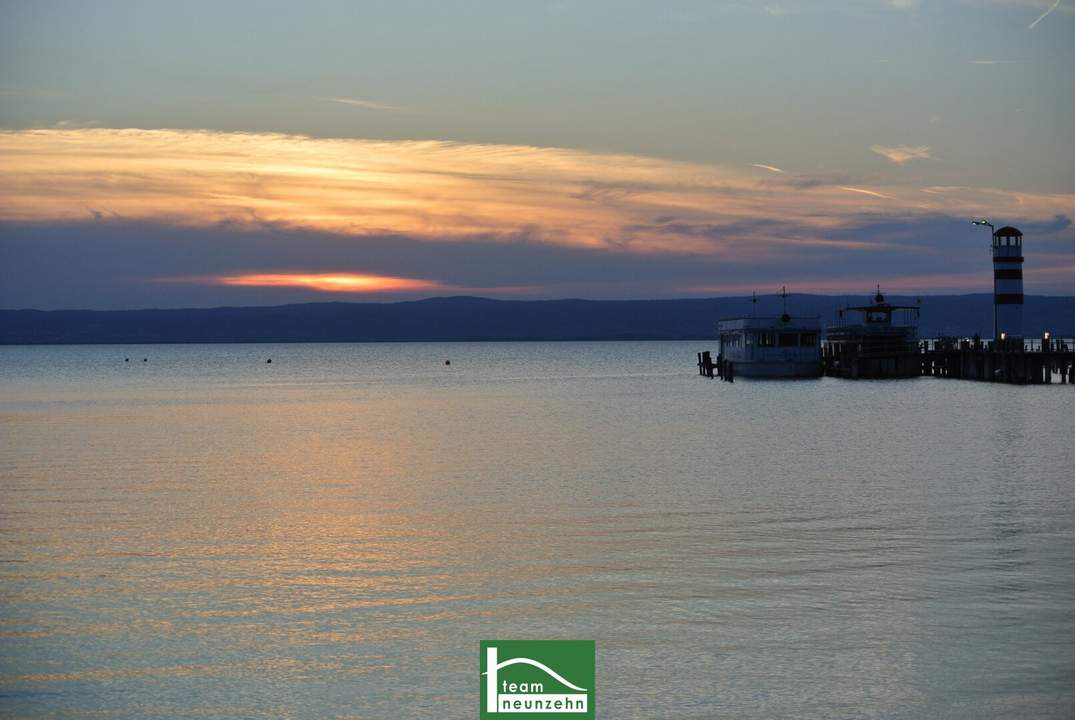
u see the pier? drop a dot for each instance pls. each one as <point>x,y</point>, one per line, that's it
<point>1017,362</point>
<point>880,341</point>
<point>1020,362</point>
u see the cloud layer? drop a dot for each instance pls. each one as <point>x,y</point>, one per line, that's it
<point>611,224</point>
<point>441,190</point>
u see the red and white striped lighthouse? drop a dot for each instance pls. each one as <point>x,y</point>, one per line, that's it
<point>1008,282</point>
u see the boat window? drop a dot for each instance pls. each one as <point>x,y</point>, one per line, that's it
<point>808,339</point>
<point>766,339</point>
<point>789,339</point>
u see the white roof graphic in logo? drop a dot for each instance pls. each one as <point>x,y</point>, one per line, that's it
<point>540,666</point>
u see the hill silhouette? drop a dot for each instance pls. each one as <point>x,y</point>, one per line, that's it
<point>472,318</point>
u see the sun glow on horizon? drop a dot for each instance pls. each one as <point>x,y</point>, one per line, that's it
<point>326,282</point>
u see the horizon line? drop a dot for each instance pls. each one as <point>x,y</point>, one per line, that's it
<point>869,293</point>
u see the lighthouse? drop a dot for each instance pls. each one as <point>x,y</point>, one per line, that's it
<point>1008,283</point>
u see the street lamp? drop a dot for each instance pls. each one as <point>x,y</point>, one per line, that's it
<point>993,232</point>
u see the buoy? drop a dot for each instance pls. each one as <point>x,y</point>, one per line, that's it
<point>447,362</point>
<point>145,359</point>
<point>126,359</point>
<point>269,360</point>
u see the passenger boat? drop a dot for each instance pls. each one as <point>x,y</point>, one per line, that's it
<point>879,340</point>
<point>771,346</point>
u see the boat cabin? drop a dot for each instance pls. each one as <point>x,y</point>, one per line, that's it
<point>772,346</point>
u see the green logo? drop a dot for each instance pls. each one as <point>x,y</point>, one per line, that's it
<point>537,678</point>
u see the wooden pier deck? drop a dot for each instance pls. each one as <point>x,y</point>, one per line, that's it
<point>1021,362</point>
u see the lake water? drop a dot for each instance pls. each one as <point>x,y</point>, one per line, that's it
<point>331,535</point>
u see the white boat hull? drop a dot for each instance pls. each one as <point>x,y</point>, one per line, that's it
<point>774,370</point>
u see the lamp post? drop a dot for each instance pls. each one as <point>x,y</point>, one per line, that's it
<point>992,233</point>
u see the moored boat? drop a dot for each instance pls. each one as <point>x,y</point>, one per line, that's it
<point>772,346</point>
<point>879,340</point>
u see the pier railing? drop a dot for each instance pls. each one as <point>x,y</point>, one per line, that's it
<point>1029,345</point>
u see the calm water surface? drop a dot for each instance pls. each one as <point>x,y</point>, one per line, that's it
<point>330,535</point>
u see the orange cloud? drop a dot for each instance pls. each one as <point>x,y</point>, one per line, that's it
<point>340,282</point>
<point>328,282</point>
<point>442,191</point>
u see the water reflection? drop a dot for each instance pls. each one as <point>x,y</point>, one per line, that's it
<point>333,534</point>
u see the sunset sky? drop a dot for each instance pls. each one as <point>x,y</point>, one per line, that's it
<point>197,154</point>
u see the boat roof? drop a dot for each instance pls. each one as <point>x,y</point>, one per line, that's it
<point>771,322</point>
<point>882,307</point>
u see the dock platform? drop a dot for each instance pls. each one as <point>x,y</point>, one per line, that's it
<point>1017,362</point>
<point>1020,362</point>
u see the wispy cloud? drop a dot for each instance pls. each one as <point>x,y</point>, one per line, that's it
<point>811,182</point>
<point>443,192</point>
<point>70,124</point>
<point>767,167</point>
<point>902,153</point>
<point>942,189</point>
<point>366,104</point>
<point>1044,15</point>
<point>863,191</point>
<point>993,62</point>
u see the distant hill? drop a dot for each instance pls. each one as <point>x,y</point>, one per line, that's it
<point>471,318</point>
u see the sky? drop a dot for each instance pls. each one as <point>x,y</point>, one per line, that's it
<point>200,153</point>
